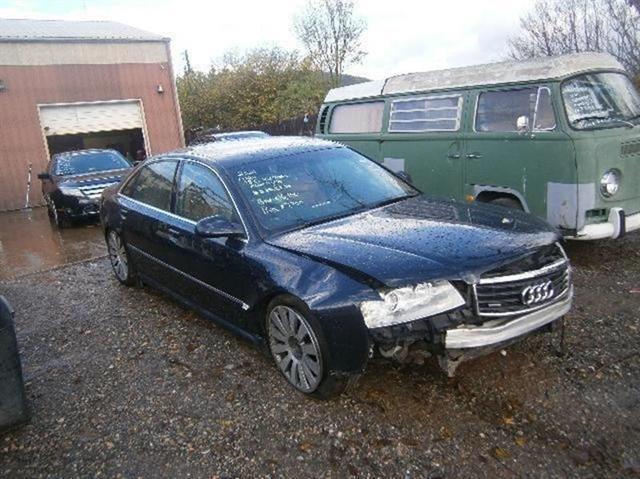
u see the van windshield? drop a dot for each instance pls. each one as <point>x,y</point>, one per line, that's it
<point>601,100</point>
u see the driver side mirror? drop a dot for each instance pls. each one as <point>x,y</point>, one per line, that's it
<point>522,124</point>
<point>44,176</point>
<point>218,227</point>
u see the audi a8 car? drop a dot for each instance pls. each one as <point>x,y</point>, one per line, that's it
<point>74,181</point>
<point>325,258</point>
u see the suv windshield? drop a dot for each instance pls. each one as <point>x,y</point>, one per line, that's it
<point>600,100</point>
<point>299,190</point>
<point>84,162</point>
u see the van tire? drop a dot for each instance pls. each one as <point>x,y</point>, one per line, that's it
<point>507,202</point>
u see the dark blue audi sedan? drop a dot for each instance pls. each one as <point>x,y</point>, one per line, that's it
<point>325,258</point>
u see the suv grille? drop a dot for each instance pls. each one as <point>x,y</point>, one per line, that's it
<point>94,191</point>
<point>524,291</point>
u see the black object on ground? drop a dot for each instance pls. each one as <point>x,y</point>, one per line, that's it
<point>13,404</point>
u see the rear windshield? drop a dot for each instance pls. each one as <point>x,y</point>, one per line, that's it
<point>89,162</point>
<point>291,192</point>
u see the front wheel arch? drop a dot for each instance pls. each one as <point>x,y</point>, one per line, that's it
<point>333,383</point>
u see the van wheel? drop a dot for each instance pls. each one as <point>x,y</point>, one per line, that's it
<point>299,350</point>
<point>507,203</point>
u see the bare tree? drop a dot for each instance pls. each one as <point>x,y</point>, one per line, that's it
<point>556,27</point>
<point>331,33</point>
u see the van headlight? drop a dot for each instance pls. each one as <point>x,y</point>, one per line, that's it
<point>409,303</point>
<point>610,183</point>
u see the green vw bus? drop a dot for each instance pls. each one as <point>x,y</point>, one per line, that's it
<point>558,136</point>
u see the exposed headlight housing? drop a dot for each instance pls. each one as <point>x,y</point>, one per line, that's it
<point>610,183</point>
<point>409,303</point>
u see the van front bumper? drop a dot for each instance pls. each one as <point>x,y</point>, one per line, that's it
<point>617,225</point>
<point>493,333</point>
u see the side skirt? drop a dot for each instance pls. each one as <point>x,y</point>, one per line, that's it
<point>258,341</point>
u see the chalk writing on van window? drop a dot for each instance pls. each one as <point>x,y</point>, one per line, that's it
<point>273,193</point>
<point>582,100</point>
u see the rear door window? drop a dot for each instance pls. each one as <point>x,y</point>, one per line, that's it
<point>357,118</point>
<point>201,194</point>
<point>500,110</point>
<point>153,184</point>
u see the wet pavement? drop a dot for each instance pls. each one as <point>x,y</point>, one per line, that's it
<point>29,242</point>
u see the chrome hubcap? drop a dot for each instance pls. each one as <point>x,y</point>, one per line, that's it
<point>295,348</point>
<point>118,256</point>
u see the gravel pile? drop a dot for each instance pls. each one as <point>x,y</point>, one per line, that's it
<point>126,383</point>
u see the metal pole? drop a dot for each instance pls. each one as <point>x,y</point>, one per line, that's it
<point>26,201</point>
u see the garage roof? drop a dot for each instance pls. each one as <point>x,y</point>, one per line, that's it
<point>19,30</point>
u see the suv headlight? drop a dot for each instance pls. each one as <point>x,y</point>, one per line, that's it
<point>610,183</point>
<point>70,191</point>
<point>409,303</point>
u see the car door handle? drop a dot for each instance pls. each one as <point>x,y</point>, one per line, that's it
<point>453,156</point>
<point>474,156</point>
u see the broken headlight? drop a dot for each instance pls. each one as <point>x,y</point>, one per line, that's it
<point>409,303</point>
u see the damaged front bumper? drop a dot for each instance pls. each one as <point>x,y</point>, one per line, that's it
<point>500,331</point>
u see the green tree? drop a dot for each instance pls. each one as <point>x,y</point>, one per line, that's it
<point>245,91</point>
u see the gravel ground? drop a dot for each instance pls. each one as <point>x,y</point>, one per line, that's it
<point>126,383</point>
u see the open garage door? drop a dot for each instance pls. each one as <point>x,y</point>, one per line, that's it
<point>115,124</point>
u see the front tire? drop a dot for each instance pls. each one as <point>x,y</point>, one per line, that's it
<point>299,350</point>
<point>507,203</point>
<point>120,262</point>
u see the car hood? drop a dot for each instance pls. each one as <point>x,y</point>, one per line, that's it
<point>421,239</point>
<point>99,177</point>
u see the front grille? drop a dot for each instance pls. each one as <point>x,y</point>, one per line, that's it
<point>94,191</point>
<point>524,291</point>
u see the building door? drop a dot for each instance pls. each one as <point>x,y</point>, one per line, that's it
<point>114,124</point>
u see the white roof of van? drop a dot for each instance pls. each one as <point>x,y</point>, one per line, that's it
<point>543,68</point>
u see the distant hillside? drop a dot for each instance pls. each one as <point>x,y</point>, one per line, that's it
<point>352,80</point>
<point>349,79</point>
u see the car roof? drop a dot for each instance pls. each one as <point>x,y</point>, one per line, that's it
<point>232,153</point>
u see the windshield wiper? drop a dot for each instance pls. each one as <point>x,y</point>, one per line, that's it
<point>602,117</point>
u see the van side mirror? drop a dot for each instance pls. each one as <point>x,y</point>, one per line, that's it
<point>218,227</point>
<point>522,124</point>
<point>44,176</point>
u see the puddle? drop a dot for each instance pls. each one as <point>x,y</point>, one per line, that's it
<point>30,243</point>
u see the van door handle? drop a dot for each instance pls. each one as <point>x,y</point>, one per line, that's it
<point>453,156</point>
<point>474,156</point>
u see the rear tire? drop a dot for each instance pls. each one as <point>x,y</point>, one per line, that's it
<point>299,350</point>
<point>507,203</point>
<point>119,257</point>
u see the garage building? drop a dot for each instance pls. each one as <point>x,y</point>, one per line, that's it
<point>68,85</point>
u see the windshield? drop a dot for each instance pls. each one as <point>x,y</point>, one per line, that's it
<point>294,191</point>
<point>89,162</point>
<point>600,100</point>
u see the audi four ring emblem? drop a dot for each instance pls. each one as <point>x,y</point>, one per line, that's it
<point>536,293</point>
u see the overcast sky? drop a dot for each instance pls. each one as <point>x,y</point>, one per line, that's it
<point>401,36</point>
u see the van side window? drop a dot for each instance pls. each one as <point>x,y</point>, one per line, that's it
<point>425,114</point>
<point>357,118</point>
<point>500,110</point>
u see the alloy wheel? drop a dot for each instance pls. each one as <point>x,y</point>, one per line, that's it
<point>118,256</point>
<point>295,348</point>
